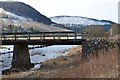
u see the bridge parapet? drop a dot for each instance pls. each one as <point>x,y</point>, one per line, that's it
<point>40,36</point>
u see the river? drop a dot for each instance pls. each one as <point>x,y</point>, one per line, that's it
<point>37,55</point>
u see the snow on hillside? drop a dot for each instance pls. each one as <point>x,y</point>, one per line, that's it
<point>24,24</point>
<point>77,20</point>
<point>5,14</point>
<point>8,18</point>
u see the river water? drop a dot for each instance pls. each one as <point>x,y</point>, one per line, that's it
<point>37,55</point>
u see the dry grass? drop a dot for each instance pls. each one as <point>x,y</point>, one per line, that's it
<point>71,66</point>
<point>63,61</point>
<point>74,51</point>
<point>102,66</point>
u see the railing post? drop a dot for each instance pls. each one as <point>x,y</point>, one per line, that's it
<point>67,35</point>
<point>40,36</point>
<point>74,37</point>
<point>43,36</point>
<point>53,36</point>
<point>15,36</point>
<point>58,36</point>
<point>28,36</point>
<point>3,37</point>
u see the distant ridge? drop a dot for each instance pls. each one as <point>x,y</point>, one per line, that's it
<point>78,23</point>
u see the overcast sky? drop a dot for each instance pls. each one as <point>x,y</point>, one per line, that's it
<point>98,9</point>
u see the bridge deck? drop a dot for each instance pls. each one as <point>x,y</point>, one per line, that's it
<point>42,38</point>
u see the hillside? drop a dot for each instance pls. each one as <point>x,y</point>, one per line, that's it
<point>78,23</point>
<point>22,9</point>
<point>95,31</point>
<point>115,29</point>
<point>11,22</point>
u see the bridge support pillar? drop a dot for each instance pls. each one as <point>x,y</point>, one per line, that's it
<point>85,52</point>
<point>21,56</point>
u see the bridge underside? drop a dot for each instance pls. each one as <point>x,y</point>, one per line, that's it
<point>21,56</point>
<point>44,42</point>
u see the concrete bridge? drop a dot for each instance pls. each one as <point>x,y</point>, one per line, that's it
<point>21,56</point>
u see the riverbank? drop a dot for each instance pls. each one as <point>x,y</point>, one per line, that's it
<point>71,65</point>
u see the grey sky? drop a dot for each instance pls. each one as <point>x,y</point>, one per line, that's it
<point>99,9</point>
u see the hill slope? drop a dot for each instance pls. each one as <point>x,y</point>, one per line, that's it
<point>78,23</point>
<point>12,22</point>
<point>22,9</point>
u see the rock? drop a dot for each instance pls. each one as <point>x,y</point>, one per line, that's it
<point>54,62</point>
<point>8,48</point>
<point>41,62</point>
<point>43,54</point>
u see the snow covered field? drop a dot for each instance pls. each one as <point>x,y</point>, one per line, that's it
<point>38,55</point>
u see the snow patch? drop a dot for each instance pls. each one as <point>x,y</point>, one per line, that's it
<point>77,20</point>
